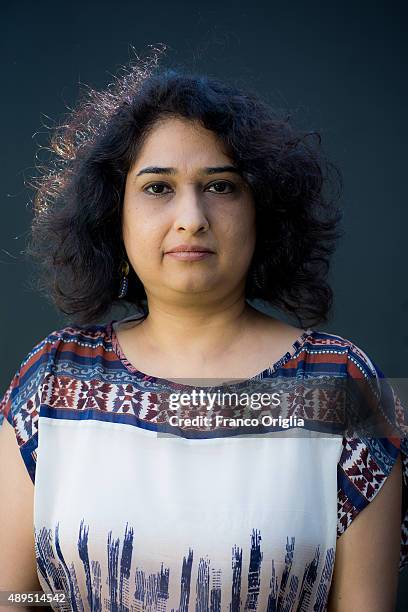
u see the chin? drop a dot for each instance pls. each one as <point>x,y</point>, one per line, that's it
<point>192,285</point>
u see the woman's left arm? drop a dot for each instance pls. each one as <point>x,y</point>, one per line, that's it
<point>365,576</point>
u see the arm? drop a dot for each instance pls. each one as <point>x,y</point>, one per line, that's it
<point>366,566</point>
<point>17,553</point>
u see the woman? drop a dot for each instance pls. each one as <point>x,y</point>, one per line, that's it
<point>186,198</point>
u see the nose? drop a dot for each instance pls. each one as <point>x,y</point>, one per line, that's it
<point>190,213</point>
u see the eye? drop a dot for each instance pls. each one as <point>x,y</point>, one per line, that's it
<point>157,188</point>
<point>223,184</point>
<point>155,192</point>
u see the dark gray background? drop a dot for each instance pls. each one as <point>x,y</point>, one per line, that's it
<point>340,66</point>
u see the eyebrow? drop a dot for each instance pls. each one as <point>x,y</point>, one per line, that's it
<point>212,170</point>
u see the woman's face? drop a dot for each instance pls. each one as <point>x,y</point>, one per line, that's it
<point>177,193</point>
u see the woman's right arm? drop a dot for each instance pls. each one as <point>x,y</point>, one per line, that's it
<point>17,553</point>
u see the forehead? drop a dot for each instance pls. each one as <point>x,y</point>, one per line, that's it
<point>174,141</point>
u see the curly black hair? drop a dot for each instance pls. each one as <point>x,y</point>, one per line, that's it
<point>76,230</point>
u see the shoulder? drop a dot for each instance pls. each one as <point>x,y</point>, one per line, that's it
<point>329,341</point>
<point>71,337</point>
<point>86,335</point>
<point>320,347</point>
<point>74,341</point>
<point>71,342</point>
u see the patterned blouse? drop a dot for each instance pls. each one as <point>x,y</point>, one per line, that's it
<point>135,511</point>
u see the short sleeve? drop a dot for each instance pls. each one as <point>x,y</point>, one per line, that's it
<point>366,462</point>
<point>21,402</point>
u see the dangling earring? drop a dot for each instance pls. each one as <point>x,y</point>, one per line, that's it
<point>124,269</point>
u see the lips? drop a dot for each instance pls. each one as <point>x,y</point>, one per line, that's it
<point>185,248</point>
<point>189,255</point>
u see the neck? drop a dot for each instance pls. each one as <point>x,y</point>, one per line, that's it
<point>172,329</point>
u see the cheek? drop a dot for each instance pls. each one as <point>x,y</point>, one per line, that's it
<point>245,239</point>
<point>241,231</point>
<point>142,238</point>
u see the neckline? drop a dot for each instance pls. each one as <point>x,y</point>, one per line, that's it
<point>166,383</point>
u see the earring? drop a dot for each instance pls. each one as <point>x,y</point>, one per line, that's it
<point>124,269</point>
